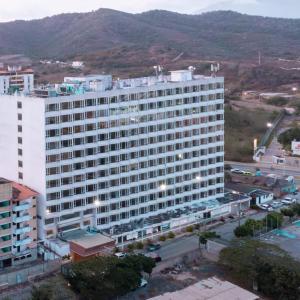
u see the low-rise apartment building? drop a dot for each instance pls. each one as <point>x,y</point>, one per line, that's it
<point>18,226</point>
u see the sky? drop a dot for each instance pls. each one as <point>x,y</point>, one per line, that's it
<point>33,9</point>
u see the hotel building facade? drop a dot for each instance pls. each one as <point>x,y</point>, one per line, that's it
<point>127,157</point>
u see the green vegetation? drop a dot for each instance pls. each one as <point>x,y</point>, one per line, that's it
<point>241,128</point>
<point>271,221</point>
<point>278,101</point>
<point>108,277</point>
<point>292,211</point>
<point>162,238</point>
<point>49,290</point>
<point>286,138</point>
<point>189,228</point>
<point>272,270</point>
<point>171,235</point>
<point>204,236</point>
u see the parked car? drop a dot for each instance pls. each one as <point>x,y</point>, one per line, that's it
<point>288,200</point>
<point>143,283</point>
<point>153,247</point>
<point>248,173</point>
<point>265,207</point>
<point>120,254</point>
<point>276,204</point>
<point>237,171</point>
<point>155,256</point>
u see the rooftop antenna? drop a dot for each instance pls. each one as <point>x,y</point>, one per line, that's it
<point>158,70</point>
<point>192,69</point>
<point>214,68</point>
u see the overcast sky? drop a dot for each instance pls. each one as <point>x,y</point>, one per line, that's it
<point>32,9</point>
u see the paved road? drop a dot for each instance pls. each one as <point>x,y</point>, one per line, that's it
<point>269,169</point>
<point>181,246</point>
<point>178,247</point>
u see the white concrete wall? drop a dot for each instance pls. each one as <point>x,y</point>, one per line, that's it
<point>8,138</point>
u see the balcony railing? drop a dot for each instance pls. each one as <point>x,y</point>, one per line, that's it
<point>22,230</point>
<point>21,207</point>
<point>23,242</point>
<point>21,219</point>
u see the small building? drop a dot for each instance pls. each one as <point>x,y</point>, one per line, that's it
<point>238,202</point>
<point>18,224</point>
<point>260,197</point>
<point>90,245</point>
<point>77,64</point>
<point>296,147</point>
<point>256,195</point>
<point>209,289</point>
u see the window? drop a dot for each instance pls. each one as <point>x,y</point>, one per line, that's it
<point>19,117</point>
<point>19,104</point>
<point>20,141</point>
<point>19,128</point>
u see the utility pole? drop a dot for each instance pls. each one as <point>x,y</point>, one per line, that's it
<point>259,58</point>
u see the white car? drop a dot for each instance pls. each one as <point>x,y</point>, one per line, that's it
<point>288,200</point>
<point>237,171</point>
<point>266,207</point>
<point>120,254</point>
<point>143,283</point>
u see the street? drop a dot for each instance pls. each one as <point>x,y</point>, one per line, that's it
<point>267,168</point>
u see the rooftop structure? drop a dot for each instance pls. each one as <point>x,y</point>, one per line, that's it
<point>16,79</point>
<point>113,154</point>
<point>209,289</point>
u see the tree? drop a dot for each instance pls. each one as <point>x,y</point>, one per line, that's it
<point>273,220</point>
<point>242,231</point>
<point>108,277</point>
<point>276,273</point>
<point>43,292</point>
<point>288,212</point>
<point>249,228</point>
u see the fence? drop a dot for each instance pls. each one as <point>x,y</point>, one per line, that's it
<point>29,273</point>
<point>265,140</point>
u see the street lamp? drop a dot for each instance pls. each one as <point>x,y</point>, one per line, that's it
<point>97,203</point>
<point>163,187</point>
<point>239,206</point>
<point>269,125</point>
<point>198,178</point>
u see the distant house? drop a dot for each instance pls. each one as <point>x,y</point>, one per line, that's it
<point>77,64</point>
<point>296,147</point>
<point>257,196</point>
<point>260,197</point>
<point>278,185</point>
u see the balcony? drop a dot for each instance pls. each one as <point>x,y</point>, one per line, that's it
<point>22,230</point>
<point>4,232</point>
<point>21,219</point>
<point>23,242</point>
<point>21,207</point>
<point>5,250</point>
<point>4,244</point>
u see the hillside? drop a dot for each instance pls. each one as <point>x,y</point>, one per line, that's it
<point>215,35</point>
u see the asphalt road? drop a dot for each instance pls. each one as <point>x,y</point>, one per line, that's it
<point>181,246</point>
<point>269,170</point>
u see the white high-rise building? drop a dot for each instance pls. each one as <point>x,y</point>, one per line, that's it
<point>16,79</point>
<point>130,157</point>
